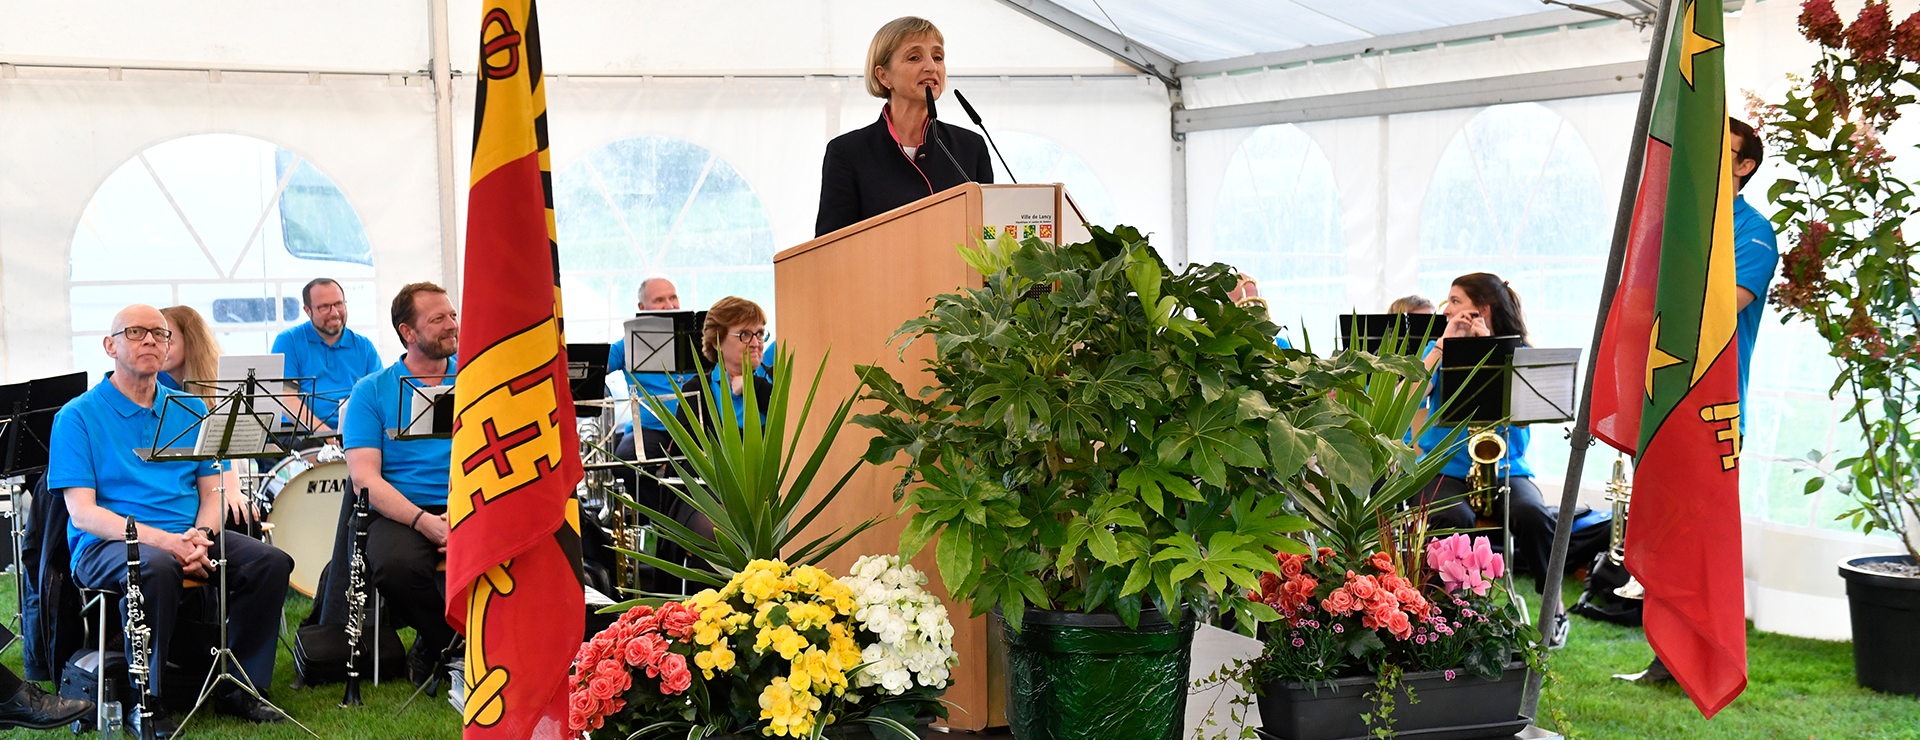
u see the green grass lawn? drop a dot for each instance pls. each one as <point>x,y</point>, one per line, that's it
<point>318,707</point>
<point>1796,688</point>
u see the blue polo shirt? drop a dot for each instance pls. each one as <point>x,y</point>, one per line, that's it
<point>1756,256</point>
<point>94,438</point>
<point>333,367</point>
<point>717,384</point>
<point>1461,464</point>
<point>660,385</point>
<point>415,467</point>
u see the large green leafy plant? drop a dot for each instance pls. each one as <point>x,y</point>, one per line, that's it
<point>1852,271</point>
<point>1104,435</point>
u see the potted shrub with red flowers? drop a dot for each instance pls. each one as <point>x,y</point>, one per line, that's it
<point>1855,276</point>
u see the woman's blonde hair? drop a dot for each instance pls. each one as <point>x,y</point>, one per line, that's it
<point>203,362</point>
<point>726,314</point>
<point>1410,304</point>
<point>887,40</point>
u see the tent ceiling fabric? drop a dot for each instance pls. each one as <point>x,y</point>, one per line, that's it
<point>1209,30</point>
<point>338,35</point>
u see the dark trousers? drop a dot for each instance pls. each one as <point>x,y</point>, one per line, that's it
<point>256,593</point>
<point>405,567</point>
<point>1532,526</point>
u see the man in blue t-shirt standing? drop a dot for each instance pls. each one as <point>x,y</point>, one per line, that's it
<point>657,293</point>
<point>407,478</point>
<point>175,504</point>
<point>325,350</point>
<point>1756,256</point>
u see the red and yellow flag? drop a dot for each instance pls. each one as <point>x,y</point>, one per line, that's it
<point>1667,385</point>
<point>513,555</point>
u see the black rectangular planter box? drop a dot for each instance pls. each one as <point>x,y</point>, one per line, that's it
<point>1291,711</point>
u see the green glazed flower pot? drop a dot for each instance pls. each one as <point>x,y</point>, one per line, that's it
<point>1078,676</point>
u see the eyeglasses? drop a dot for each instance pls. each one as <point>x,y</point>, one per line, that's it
<point>751,336</point>
<point>137,333</point>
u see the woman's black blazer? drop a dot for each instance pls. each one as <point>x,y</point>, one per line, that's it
<point>865,173</point>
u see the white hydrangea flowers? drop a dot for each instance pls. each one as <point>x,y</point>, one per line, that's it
<point>916,638</point>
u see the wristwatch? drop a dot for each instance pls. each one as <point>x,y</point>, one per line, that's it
<point>208,530</point>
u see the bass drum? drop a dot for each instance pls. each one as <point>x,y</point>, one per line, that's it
<point>304,509</point>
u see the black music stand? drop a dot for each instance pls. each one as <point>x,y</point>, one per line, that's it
<point>587,377</point>
<point>26,433</point>
<point>238,432</point>
<point>661,342</point>
<point>1410,331</point>
<point>432,416</point>
<point>1489,382</point>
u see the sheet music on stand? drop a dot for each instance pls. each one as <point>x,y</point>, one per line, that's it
<point>1543,384</point>
<point>430,413</point>
<point>663,341</point>
<point>230,430</point>
<point>1495,379</point>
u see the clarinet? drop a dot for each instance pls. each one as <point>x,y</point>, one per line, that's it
<point>356,599</point>
<point>138,633</point>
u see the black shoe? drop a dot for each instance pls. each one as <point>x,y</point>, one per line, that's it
<point>237,703</point>
<point>1655,674</point>
<point>164,725</point>
<point>33,708</point>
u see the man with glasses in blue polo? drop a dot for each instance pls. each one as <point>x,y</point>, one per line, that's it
<point>325,350</point>
<point>95,467</point>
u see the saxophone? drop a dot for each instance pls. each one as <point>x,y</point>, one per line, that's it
<point>1486,448</point>
<point>356,599</point>
<point>139,635</point>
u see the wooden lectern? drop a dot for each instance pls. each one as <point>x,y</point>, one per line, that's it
<point>847,292</point>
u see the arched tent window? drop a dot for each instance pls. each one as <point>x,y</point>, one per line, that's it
<point>1517,193</point>
<point>1277,218</point>
<point>231,225</point>
<point>1037,159</point>
<point>655,204</point>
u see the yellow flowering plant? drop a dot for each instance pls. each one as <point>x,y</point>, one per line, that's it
<point>777,652</point>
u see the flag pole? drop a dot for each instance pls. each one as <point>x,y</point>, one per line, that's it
<point>1582,436</point>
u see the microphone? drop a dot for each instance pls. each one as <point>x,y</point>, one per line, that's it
<point>975,115</point>
<point>933,132</point>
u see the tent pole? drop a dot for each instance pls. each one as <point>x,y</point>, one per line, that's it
<point>443,138</point>
<point>1582,436</point>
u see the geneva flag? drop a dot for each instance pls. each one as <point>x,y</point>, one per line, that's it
<point>1668,386</point>
<point>513,554</point>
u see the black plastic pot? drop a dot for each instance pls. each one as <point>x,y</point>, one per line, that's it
<point>1462,709</point>
<point>1886,625</point>
<point>1078,676</point>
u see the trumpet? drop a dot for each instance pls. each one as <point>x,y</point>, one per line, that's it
<point>1486,448</point>
<point>1620,492</point>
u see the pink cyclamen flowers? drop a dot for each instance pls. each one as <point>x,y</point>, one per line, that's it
<point>1464,562</point>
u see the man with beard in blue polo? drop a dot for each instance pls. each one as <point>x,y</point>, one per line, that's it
<point>407,478</point>
<point>325,350</point>
<point>176,505</point>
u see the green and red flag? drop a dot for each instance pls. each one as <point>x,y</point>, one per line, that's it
<point>514,551</point>
<point>1667,385</point>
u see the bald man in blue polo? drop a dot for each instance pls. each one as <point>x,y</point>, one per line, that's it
<point>176,505</point>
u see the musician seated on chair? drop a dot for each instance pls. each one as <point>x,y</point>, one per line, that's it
<point>407,478</point>
<point>177,505</point>
<point>1480,305</point>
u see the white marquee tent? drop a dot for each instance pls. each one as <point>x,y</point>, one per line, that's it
<point>221,153</point>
